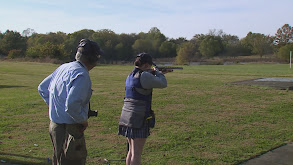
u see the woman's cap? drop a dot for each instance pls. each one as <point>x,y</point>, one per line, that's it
<point>145,58</point>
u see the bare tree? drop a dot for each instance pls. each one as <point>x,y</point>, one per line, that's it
<point>28,32</point>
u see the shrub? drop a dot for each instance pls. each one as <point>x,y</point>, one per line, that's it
<point>15,54</point>
<point>284,51</point>
<point>33,52</point>
<point>185,53</point>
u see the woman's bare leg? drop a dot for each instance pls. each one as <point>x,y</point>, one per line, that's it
<point>129,154</point>
<point>136,148</point>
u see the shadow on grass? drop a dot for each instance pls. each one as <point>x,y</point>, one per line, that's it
<point>10,86</point>
<point>16,159</point>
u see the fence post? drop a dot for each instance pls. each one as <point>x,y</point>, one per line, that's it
<point>290,58</point>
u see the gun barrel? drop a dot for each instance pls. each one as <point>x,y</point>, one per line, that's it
<point>168,67</point>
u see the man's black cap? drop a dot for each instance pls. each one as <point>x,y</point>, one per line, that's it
<point>90,47</point>
<point>145,58</point>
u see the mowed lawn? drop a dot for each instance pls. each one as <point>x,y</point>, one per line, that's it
<point>200,118</point>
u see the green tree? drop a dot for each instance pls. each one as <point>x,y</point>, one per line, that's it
<point>124,48</point>
<point>33,52</point>
<point>12,40</point>
<point>258,44</point>
<point>262,45</point>
<point>33,40</point>
<point>211,46</point>
<point>119,48</point>
<point>78,35</point>
<point>40,39</point>
<point>1,37</point>
<point>73,39</point>
<point>284,51</point>
<point>167,49</point>
<point>56,38</point>
<point>51,45</point>
<point>230,39</point>
<point>107,40</point>
<point>143,45</point>
<point>178,41</point>
<point>34,44</point>
<point>154,30</point>
<point>52,50</point>
<point>231,45</point>
<point>185,53</point>
<point>157,39</point>
<point>47,50</point>
<point>215,32</point>
<point>247,43</point>
<point>196,40</point>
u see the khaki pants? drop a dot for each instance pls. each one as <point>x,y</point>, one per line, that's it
<point>68,142</point>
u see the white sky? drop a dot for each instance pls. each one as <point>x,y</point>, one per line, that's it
<point>174,18</point>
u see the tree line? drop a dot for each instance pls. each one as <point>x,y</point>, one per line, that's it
<point>124,47</point>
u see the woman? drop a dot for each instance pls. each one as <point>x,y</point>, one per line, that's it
<point>137,116</point>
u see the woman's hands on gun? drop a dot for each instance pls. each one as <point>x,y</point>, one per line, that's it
<point>164,71</point>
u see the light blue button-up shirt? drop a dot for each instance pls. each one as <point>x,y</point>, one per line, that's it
<point>67,91</point>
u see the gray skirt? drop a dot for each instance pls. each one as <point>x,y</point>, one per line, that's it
<point>133,133</point>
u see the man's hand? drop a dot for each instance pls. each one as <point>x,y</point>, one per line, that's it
<point>84,126</point>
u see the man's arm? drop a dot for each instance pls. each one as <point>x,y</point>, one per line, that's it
<point>43,88</point>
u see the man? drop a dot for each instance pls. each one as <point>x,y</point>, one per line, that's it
<point>67,91</point>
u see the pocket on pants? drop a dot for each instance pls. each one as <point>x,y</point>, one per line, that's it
<point>75,148</point>
<point>131,118</point>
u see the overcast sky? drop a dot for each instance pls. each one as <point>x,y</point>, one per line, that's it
<point>174,18</point>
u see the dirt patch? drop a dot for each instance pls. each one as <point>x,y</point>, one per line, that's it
<point>277,83</point>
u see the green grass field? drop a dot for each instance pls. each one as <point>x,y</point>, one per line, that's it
<point>200,119</point>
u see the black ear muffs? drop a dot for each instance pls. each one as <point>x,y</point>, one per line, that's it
<point>90,49</point>
<point>145,58</point>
